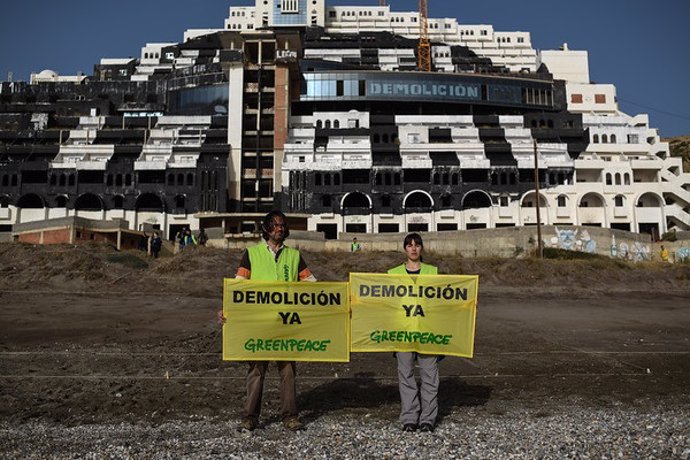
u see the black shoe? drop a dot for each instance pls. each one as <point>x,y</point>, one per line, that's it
<point>426,428</point>
<point>293,424</point>
<point>409,427</point>
<point>248,424</point>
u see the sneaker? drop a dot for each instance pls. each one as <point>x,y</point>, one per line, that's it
<point>293,424</point>
<point>247,424</point>
<point>426,428</point>
<point>409,427</point>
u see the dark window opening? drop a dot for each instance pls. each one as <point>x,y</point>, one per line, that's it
<point>446,227</point>
<point>417,176</point>
<point>151,177</point>
<point>474,175</point>
<point>389,228</point>
<point>356,176</point>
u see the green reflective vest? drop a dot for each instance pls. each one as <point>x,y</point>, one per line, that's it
<point>266,268</point>
<point>426,269</point>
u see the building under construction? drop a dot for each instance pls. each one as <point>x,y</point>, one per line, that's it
<point>349,119</point>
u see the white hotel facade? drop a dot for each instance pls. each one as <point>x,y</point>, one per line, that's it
<point>320,111</point>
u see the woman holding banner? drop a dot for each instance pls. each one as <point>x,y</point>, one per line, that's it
<point>418,405</point>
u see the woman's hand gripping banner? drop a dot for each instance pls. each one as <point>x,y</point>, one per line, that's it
<point>430,314</point>
<point>269,321</point>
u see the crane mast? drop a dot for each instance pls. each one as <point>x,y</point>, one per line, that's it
<point>424,48</point>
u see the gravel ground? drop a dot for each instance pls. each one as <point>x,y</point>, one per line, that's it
<point>576,433</point>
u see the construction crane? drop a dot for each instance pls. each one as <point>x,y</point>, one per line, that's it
<point>424,48</point>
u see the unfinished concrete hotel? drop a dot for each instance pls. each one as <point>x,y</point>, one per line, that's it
<point>322,112</point>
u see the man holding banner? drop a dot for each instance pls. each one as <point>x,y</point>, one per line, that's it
<point>271,260</point>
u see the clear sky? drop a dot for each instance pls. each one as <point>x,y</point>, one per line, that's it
<point>638,45</point>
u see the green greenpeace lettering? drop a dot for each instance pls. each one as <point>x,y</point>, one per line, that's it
<point>410,337</point>
<point>256,345</point>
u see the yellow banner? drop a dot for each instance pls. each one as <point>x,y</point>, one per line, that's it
<point>431,314</point>
<point>278,321</point>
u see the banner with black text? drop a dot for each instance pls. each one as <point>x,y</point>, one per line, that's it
<point>431,314</point>
<point>268,320</point>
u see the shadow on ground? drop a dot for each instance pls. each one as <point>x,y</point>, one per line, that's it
<point>364,392</point>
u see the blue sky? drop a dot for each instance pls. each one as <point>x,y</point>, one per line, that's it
<point>639,46</point>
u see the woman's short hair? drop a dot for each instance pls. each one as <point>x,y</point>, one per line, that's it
<point>413,237</point>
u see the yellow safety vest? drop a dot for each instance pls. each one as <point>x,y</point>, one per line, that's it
<point>266,268</point>
<point>426,269</point>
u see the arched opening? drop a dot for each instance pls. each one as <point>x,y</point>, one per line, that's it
<point>609,180</point>
<point>180,179</point>
<point>529,200</point>
<point>190,179</point>
<point>30,201</point>
<point>476,199</point>
<point>649,200</point>
<point>4,201</point>
<point>356,203</point>
<point>418,202</point>
<point>591,200</point>
<point>618,178</point>
<point>149,202</point>
<point>88,202</point>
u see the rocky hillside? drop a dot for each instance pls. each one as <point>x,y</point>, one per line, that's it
<point>680,147</point>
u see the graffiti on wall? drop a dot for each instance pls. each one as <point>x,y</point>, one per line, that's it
<point>573,240</point>
<point>683,254</point>
<point>635,251</point>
